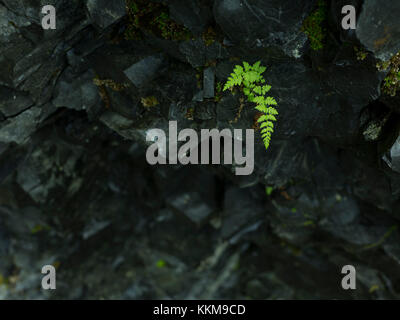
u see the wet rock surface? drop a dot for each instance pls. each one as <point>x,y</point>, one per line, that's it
<point>76,190</point>
<point>378,32</point>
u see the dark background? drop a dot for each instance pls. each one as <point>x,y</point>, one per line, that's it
<point>76,191</point>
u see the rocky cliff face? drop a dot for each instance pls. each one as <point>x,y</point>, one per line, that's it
<point>76,190</point>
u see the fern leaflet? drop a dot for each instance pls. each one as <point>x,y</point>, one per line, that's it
<point>250,78</point>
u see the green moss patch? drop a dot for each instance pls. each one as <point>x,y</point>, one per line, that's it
<point>154,18</point>
<point>391,84</point>
<point>314,26</point>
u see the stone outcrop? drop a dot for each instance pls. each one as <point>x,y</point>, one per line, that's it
<point>76,190</point>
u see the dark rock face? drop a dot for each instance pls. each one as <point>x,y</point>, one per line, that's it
<point>145,70</point>
<point>76,190</point>
<point>262,24</point>
<point>104,13</point>
<point>378,32</point>
<point>193,14</point>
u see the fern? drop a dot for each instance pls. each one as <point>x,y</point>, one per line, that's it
<point>250,79</point>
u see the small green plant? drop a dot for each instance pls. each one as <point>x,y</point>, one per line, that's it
<point>313,26</point>
<point>308,223</point>
<point>360,53</point>
<point>391,83</point>
<point>152,17</point>
<point>219,87</point>
<point>209,36</point>
<point>269,190</point>
<point>250,79</point>
<point>149,102</point>
<point>161,263</point>
<point>218,92</point>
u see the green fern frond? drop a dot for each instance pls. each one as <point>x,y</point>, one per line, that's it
<point>258,90</point>
<point>270,101</point>
<point>261,108</point>
<point>256,66</point>
<point>250,78</point>
<point>270,117</point>
<point>272,110</point>
<point>265,89</point>
<point>267,124</point>
<point>260,100</point>
<point>267,129</point>
<point>247,67</point>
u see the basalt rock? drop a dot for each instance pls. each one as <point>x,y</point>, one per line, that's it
<point>76,191</point>
<point>264,24</point>
<point>379,33</point>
